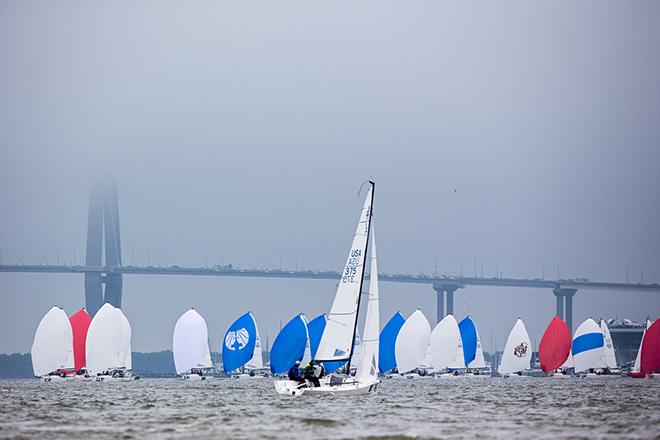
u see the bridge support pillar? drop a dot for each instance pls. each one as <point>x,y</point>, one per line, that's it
<point>565,305</point>
<point>444,291</point>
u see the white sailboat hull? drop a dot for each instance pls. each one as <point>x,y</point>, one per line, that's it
<point>193,377</point>
<point>293,388</point>
<point>56,378</point>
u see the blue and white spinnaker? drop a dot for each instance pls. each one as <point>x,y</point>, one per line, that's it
<point>239,342</point>
<point>587,348</point>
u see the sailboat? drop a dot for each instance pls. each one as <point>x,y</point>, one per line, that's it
<point>338,340</point>
<point>52,349</point>
<point>291,344</point>
<point>446,348</point>
<point>517,354</point>
<point>587,347</point>
<point>108,345</point>
<point>609,356</point>
<point>412,345</point>
<point>555,347</point>
<point>473,353</point>
<point>637,365</point>
<point>647,363</point>
<point>126,354</point>
<point>387,342</point>
<point>242,346</point>
<point>80,325</point>
<point>190,346</point>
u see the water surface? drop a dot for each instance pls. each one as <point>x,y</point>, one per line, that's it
<point>244,409</point>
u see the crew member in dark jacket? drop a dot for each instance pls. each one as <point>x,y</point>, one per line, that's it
<point>294,373</point>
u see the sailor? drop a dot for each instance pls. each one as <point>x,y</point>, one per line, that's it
<point>294,373</point>
<point>313,372</point>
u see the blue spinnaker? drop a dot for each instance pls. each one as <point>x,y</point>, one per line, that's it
<point>469,338</point>
<point>387,340</point>
<point>289,345</point>
<point>315,328</point>
<point>238,346</point>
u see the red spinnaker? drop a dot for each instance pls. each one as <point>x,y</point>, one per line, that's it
<point>79,324</point>
<point>555,345</point>
<point>650,361</point>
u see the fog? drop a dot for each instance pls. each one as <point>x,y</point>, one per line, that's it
<point>510,135</point>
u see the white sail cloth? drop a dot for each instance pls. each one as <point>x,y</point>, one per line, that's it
<point>256,362</point>
<point>638,358</point>
<point>412,342</point>
<point>587,347</point>
<point>337,339</point>
<point>52,348</point>
<point>190,343</point>
<point>446,346</point>
<point>609,356</point>
<point>479,361</point>
<point>105,347</point>
<point>125,355</point>
<point>368,355</point>
<point>517,353</point>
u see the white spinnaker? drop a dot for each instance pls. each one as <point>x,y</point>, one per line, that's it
<point>593,357</point>
<point>256,362</point>
<point>568,363</point>
<point>337,337</point>
<point>609,356</point>
<point>479,361</point>
<point>638,359</point>
<point>190,343</point>
<point>125,355</point>
<point>445,340</point>
<point>52,348</point>
<point>412,342</point>
<point>104,340</point>
<point>368,356</point>
<point>517,353</point>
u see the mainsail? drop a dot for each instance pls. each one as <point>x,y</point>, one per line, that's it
<point>125,356</point>
<point>517,351</point>
<point>239,342</point>
<point>190,343</point>
<point>587,346</point>
<point>337,340</point>
<point>368,355</point>
<point>257,360</point>
<point>387,341</point>
<point>52,349</point>
<point>638,360</point>
<point>609,356</point>
<point>412,342</point>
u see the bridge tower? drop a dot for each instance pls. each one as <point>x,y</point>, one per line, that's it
<point>103,228</point>
<point>565,305</point>
<point>441,289</point>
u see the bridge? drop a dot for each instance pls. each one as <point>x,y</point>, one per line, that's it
<point>103,225</point>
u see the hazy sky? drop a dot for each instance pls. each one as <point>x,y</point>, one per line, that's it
<point>245,130</point>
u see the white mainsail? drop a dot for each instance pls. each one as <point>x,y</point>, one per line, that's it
<point>190,343</point>
<point>368,356</point>
<point>104,341</point>
<point>568,363</point>
<point>52,348</point>
<point>638,359</point>
<point>412,342</point>
<point>256,362</point>
<point>125,355</point>
<point>609,356</point>
<point>446,345</point>
<point>479,361</point>
<point>307,355</point>
<point>337,339</point>
<point>517,353</point>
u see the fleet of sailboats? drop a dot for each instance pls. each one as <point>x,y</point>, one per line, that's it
<point>99,348</point>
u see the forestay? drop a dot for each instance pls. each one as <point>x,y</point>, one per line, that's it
<point>52,349</point>
<point>190,343</point>
<point>337,339</point>
<point>517,353</point>
<point>368,356</point>
<point>587,347</point>
<point>412,342</point>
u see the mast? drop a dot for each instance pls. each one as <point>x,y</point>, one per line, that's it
<point>364,266</point>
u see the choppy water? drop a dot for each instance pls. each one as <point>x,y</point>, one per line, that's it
<point>424,408</point>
